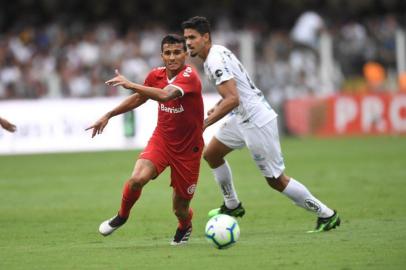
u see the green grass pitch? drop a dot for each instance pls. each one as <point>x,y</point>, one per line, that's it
<point>51,207</point>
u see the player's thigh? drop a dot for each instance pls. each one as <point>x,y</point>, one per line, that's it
<point>144,170</point>
<point>264,146</point>
<point>184,175</point>
<point>230,134</point>
<point>227,138</point>
<point>215,152</point>
<point>152,161</point>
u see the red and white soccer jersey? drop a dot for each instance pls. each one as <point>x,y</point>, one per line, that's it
<point>177,140</point>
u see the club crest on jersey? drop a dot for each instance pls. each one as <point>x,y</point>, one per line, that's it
<point>218,73</point>
<point>191,189</point>
<point>171,109</point>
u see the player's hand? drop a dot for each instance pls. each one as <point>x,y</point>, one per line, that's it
<point>99,126</point>
<point>119,80</point>
<point>210,111</point>
<point>7,125</point>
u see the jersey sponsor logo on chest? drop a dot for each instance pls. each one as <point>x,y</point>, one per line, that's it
<point>171,109</point>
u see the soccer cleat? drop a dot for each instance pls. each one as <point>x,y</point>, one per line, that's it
<point>326,224</point>
<point>181,236</point>
<point>239,211</point>
<point>109,226</point>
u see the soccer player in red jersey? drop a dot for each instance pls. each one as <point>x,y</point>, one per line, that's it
<point>177,140</point>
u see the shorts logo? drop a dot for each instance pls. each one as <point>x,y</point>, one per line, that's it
<point>191,189</point>
<point>258,157</point>
<point>218,73</point>
<point>312,205</point>
<point>262,167</point>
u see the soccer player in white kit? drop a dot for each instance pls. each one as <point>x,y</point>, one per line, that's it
<point>251,122</point>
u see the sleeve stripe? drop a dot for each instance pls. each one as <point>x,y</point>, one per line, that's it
<point>179,88</point>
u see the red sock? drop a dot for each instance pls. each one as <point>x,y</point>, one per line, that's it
<point>184,223</point>
<point>128,200</point>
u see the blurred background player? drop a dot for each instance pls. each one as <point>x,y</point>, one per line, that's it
<point>177,141</point>
<point>252,123</point>
<point>4,123</point>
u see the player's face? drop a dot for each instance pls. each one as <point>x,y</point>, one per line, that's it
<point>173,56</point>
<point>195,42</point>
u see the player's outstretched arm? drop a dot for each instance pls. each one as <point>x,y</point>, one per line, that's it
<point>230,100</point>
<point>7,125</point>
<point>120,80</point>
<point>212,109</point>
<point>128,104</point>
<point>99,126</point>
<point>158,94</point>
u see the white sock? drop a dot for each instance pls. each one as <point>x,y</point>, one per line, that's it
<point>301,196</point>
<point>224,178</point>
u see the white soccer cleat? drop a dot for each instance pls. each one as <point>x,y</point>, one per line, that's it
<point>105,228</point>
<point>109,226</point>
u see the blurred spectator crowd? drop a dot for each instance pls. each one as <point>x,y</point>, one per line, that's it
<point>363,57</point>
<point>56,60</point>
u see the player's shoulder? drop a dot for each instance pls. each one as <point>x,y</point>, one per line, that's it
<point>156,73</point>
<point>216,54</point>
<point>216,48</point>
<point>189,72</point>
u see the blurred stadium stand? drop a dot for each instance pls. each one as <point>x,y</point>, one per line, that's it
<point>52,49</point>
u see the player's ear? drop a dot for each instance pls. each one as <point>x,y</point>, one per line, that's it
<point>206,37</point>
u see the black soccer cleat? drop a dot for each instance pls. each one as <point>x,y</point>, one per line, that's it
<point>181,236</point>
<point>239,211</point>
<point>326,224</point>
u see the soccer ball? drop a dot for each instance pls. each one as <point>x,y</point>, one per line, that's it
<point>222,231</point>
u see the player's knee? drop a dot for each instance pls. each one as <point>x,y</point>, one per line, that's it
<point>274,183</point>
<point>212,159</point>
<point>271,180</point>
<point>176,212</point>
<point>278,183</point>
<point>206,156</point>
<point>136,182</point>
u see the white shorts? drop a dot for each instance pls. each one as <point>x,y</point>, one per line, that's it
<point>262,142</point>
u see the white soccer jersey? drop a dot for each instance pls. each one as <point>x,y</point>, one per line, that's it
<point>222,65</point>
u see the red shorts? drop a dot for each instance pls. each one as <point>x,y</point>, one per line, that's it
<point>184,167</point>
